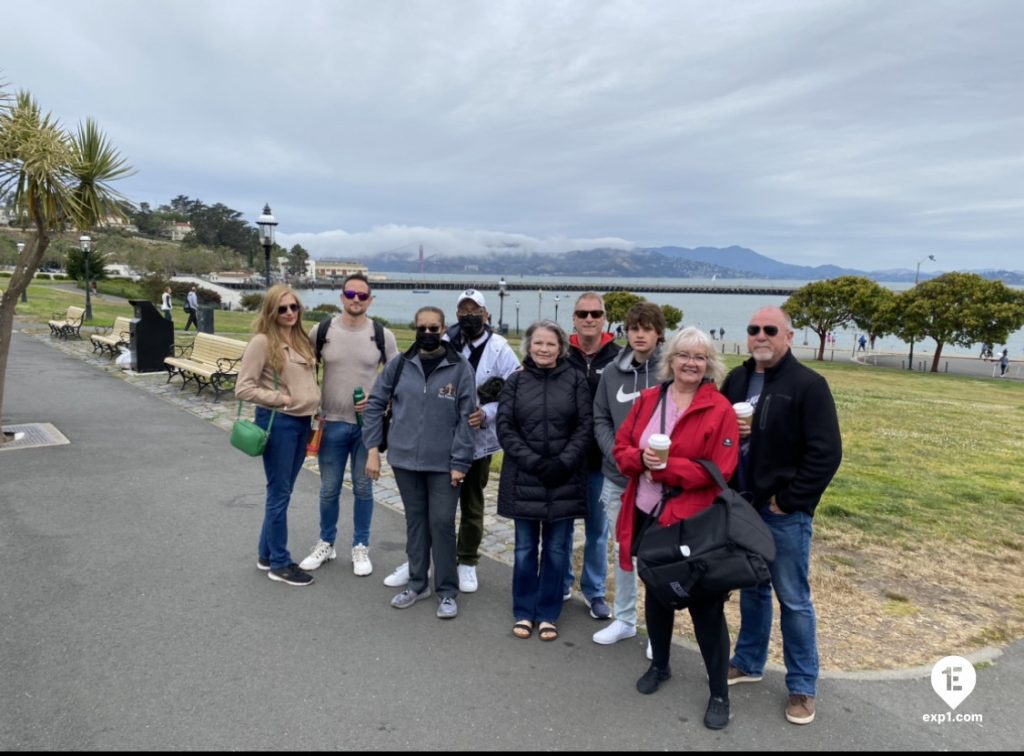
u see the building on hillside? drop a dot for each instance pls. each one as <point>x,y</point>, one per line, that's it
<point>177,230</point>
<point>328,269</point>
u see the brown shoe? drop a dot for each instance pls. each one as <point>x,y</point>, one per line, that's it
<point>736,676</point>
<point>800,709</point>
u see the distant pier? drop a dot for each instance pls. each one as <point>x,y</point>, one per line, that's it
<point>611,285</point>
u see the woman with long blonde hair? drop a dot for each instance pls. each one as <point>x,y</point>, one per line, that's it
<point>278,374</point>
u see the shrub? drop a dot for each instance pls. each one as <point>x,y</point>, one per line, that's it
<point>251,302</point>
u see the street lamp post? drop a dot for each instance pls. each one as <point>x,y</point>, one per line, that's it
<point>556,308</point>
<point>86,244</point>
<point>917,275</point>
<point>24,292</point>
<point>540,301</point>
<point>502,293</point>
<point>517,317</point>
<point>267,222</point>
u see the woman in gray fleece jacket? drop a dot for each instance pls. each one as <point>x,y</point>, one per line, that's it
<point>432,392</point>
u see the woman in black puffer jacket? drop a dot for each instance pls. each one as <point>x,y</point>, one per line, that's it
<point>545,424</point>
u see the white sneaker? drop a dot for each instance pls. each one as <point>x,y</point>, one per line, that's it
<point>650,652</point>
<point>361,564</point>
<point>399,577</point>
<point>467,578</point>
<point>322,552</point>
<point>615,632</point>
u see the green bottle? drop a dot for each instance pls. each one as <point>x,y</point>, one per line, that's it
<point>357,396</point>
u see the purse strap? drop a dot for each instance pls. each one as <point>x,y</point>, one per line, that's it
<point>273,412</point>
<point>666,492</point>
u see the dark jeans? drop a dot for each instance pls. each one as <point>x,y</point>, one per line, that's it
<point>282,461</point>
<point>430,500</point>
<point>191,320</point>
<point>471,506</point>
<point>540,560</point>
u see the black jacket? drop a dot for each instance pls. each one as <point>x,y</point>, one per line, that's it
<point>795,445</point>
<point>545,424</point>
<point>592,368</point>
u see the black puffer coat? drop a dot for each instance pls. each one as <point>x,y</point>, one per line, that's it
<point>544,414</point>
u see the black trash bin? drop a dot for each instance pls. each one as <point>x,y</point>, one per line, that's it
<point>204,318</point>
<point>152,337</point>
<point>504,329</point>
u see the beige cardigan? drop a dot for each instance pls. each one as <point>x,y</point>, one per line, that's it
<point>256,380</point>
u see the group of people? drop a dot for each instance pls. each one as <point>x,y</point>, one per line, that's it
<point>574,420</point>
<point>191,306</point>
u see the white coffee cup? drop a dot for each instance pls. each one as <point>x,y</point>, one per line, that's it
<point>659,444</point>
<point>744,412</point>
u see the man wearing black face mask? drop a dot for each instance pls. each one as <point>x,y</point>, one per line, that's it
<point>493,360</point>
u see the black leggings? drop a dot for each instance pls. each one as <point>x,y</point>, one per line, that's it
<point>708,616</point>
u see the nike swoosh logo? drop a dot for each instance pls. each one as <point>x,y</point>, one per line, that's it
<point>624,398</point>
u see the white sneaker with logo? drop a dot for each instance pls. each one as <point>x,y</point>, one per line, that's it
<point>467,578</point>
<point>361,564</point>
<point>399,577</point>
<point>322,552</point>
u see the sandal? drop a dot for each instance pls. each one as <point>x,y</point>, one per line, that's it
<point>522,629</point>
<point>548,631</point>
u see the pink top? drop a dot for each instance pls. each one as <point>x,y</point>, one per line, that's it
<point>648,494</point>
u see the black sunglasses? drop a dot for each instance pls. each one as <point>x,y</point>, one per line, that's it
<point>285,308</point>
<point>361,295</point>
<point>584,314</point>
<point>769,330</point>
<point>428,329</point>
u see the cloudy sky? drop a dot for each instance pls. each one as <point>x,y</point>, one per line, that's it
<point>860,133</point>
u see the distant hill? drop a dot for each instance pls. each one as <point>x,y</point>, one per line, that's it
<point>741,258</point>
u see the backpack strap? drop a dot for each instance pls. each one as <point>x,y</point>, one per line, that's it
<point>321,338</point>
<point>378,336</point>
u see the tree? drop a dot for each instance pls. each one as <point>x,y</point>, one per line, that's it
<point>55,178</point>
<point>673,316</point>
<point>76,264</point>
<point>617,304</point>
<point>824,306</point>
<point>297,258</point>
<point>957,308</point>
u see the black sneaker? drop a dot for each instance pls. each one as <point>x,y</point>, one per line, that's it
<point>599,608</point>
<point>652,679</point>
<point>718,714</point>
<point>291,575</point>
<point>262,564</point>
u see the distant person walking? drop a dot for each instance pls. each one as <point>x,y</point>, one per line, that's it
<point>862,343</point>
<point>191,305</point>
<point>165,303</point>
<point>1004,362</point>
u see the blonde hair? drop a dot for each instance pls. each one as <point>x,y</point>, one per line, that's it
<point>685,341</point>
<point>266,323</point>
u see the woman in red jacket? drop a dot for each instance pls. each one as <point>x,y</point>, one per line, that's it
<point>702,425</point>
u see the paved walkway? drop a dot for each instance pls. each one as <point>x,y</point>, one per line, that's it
<point>133,617</point>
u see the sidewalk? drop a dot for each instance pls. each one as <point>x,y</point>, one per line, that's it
<point>134,618</point>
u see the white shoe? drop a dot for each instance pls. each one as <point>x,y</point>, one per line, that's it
<point>322,552</point>
<point>399,577</point>
<point>361,564</point>
<point>615,632</point>
<point>567,595</point>
<point>650,652</point>
<point>467,578</point>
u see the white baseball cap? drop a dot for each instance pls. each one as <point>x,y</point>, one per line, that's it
<point>473,294</point>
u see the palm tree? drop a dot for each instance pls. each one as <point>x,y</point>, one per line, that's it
<point>56,179</point>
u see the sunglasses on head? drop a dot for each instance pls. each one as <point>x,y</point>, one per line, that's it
<point>584,314</point>
<point>362,296</point>
<point>769,330</point>
<point>428,329</point>
<point>288,307</point>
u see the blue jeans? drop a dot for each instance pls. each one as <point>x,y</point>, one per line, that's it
<point>625,582</point>
<point>282,460</point>
<point>595,547</point>
<point>339,443</point>
<point>540,560</point>
<point>789,572</point>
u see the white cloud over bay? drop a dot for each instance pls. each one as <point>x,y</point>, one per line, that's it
<point>851,132</point>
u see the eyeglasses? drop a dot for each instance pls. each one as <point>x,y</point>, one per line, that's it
<point>361,295</point>
<point>428,329</point>
<point>698,358</point>
<point>464,313</point>
<point>584,314</point>
<point>288,308</point>
<point>769,330</point>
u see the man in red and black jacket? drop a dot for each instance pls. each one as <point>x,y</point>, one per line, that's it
<point>591,349</point>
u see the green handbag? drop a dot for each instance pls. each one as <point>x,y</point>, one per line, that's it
<point>248,437</point>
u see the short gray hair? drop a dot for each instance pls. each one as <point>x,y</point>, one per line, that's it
<point>563,339</point>
<point>686,341</point>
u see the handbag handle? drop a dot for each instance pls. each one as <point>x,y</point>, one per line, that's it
<point>714,472</point>
<point>273,412</point>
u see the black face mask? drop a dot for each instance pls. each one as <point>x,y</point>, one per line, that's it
<point>428,342</point>
<point>471,325</point>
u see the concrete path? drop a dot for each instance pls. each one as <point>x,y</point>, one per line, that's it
<point>133,617</point>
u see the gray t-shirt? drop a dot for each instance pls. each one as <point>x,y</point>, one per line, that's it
<point>350,358</point>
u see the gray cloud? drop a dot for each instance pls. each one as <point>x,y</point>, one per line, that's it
<point>844,131</point>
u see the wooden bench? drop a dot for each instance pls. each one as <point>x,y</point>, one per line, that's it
<point>68,323</point>
<point>110,340</point>
<point>209,361</point>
